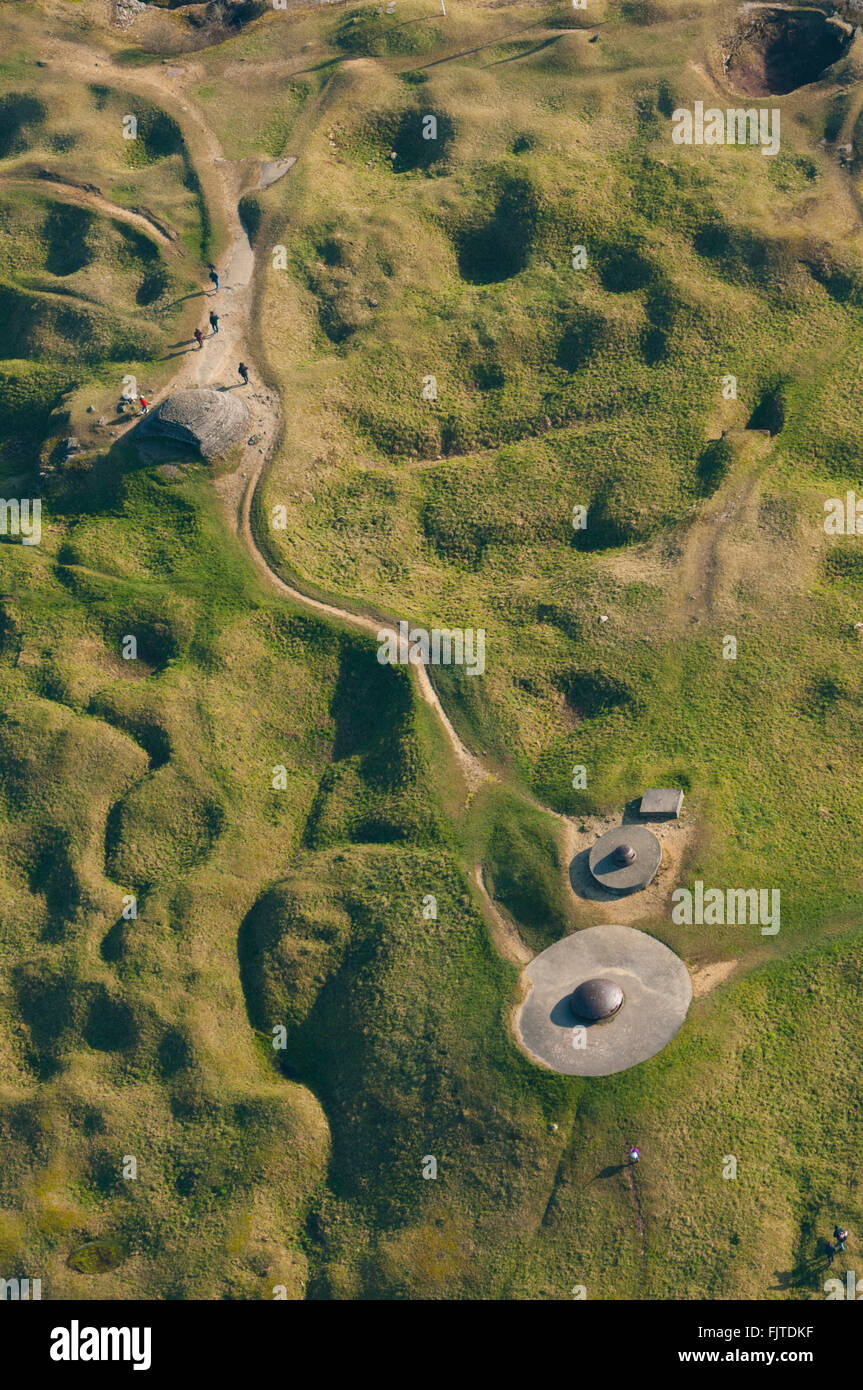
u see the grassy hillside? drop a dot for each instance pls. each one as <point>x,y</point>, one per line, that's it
<point>253,831</point>
<point>602,387</point>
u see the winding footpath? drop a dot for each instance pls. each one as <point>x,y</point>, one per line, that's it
<point>223,183</point>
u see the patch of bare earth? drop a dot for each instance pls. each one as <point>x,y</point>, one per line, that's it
<point>706,977</point>
<point>579,836</point>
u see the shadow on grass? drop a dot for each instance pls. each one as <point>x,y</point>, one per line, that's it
<point>193,294</point>
<point>610,1172</point>
<point>809,1270</point>
<point>528,53</point>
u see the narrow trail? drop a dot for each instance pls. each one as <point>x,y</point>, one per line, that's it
<point>705,572</point>
<point>629,1173</point>
<point>504,932</point>
<point>89,196</point>
<point>215,365</point>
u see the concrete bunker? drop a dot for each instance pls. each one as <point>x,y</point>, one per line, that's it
<point>210,421</point>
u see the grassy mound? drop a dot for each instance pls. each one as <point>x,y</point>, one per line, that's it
<point>365,32</point>
<point>291,942</point>
<point>161,827</point>
<point>371,792</point>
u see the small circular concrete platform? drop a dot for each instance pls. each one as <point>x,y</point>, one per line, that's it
<point>626,858</point>
<point>656,995</point>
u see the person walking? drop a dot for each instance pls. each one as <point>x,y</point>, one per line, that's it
<point>840,1237</point>
<point>214,276</point>
<point>214,322</point>
<point>144,406</point>
<point>244,373</point>
<point>199,337</point>
<point>634,1154</point>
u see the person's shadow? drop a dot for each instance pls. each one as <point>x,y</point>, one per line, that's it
<point>610,1172</point>
<point>807,1273</point>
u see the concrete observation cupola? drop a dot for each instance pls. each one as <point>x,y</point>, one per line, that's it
<point>601,1000</point>
<point>625,859</point>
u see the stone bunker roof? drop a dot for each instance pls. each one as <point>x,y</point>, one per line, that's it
<point>212,421</point>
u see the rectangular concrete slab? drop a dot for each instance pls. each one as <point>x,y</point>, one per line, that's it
<point>661,801</point>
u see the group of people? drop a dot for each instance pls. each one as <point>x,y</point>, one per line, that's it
<point>214,325</point>
<point>834,1246</point>
<point>242,369</point>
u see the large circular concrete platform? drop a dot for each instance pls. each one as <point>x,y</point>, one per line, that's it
<point>656,995</point>
<point>626,858</point>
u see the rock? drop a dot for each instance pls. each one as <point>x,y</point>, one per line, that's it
<point>603,617</point>
<point>90,409</point>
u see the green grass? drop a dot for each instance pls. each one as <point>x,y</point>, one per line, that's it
<point>306,908</point>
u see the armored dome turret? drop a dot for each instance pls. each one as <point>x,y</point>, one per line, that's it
<point>596,999</point>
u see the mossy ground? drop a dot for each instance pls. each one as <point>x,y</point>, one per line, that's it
<point>152,1037</point>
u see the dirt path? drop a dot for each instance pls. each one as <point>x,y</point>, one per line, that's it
<point>471,767</point>
<point>629,1173</point>
<point>215,366</point>
<point>710,562</point>
<point>504,932</point>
